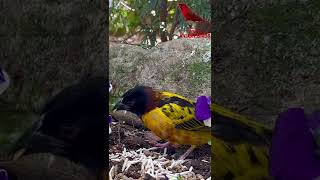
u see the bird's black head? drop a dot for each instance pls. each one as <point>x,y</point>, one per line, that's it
<point>138,100</point>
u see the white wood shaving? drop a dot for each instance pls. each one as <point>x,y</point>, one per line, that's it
<point>125,164</point>
<point>154,164</point>
<point>111,173</point>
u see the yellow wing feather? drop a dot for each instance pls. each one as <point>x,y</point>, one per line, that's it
<point>240,146</point>
<point>232,126</point>
<point>173,120</point>
<point>181,111</point>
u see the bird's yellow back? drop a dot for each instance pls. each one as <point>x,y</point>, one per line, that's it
<point>174,120</point>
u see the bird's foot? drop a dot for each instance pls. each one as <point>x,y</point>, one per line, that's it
<point>186,154</point>
<point>163,145</point>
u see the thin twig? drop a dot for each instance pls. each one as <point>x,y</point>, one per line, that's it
<point>175,23</point>
<point>163,19</point>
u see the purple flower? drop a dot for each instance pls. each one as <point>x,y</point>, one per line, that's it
<point>109,119</point>
<point>314,121</point>
<point>3,174</point>
<point>314,125</point>
<point>203,108</point>
<point>292,154</point>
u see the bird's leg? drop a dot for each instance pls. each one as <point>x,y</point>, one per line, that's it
<point>153,140</point>
<point>188,152</point>
<point>162,145</point>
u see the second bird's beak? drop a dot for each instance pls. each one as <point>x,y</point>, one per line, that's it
<point>120,106</point>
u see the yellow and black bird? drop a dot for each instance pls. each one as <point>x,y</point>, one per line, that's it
<point>168,115</point>
<point>239,145</point>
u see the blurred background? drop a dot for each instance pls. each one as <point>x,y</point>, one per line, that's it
<point>148,22</point>
<point>44,48</point>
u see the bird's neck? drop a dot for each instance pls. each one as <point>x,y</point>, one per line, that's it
<point>153,101</point>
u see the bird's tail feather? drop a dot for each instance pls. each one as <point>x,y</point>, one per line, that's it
<point>231,126</point>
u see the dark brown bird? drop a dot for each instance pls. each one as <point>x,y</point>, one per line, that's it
<point>72,126</point>
<point>45,166</point>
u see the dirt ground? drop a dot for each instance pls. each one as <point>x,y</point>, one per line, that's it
<point>134,138</point>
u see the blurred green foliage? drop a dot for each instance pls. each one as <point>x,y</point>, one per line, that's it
<point>152,19</point>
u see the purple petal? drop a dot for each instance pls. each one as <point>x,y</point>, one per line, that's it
<point>292,154</point>
<point>314,120</point>
<point>202,108</point>
<point>3,174</point>
<point>209,100</point>
<point>109,119</point>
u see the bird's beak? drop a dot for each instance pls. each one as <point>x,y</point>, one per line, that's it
<point>120,106</point>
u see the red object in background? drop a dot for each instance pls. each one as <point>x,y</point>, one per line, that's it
<point>189,15</point>
<point>202,26</point>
